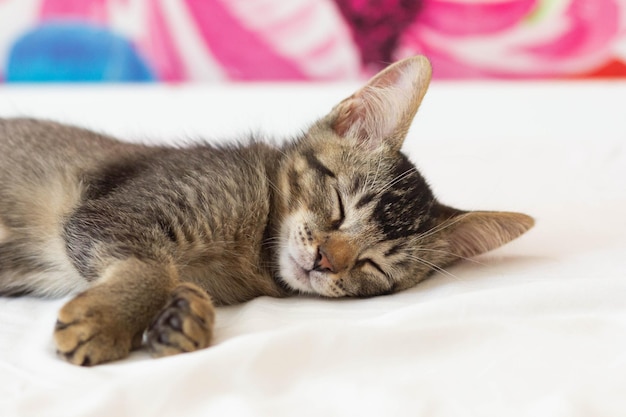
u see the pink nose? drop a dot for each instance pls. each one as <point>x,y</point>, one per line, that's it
<point>322,264</point>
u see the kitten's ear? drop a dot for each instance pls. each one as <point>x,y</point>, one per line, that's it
<point>472,233</point>
<point>380,113</point>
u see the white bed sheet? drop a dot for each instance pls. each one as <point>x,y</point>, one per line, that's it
<point>537,328</point>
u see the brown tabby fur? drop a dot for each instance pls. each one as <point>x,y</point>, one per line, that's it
<point>152,237</point>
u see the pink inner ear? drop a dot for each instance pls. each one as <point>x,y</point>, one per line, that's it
<point>386,78</point>
<point>353,109</point>
<point>347,113</point>
<point>379,114</point>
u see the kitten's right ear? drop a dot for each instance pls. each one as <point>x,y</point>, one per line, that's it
<point>471,233</point>
<point>381,112</point>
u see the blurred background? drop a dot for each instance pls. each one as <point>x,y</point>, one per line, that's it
<point>299,40</point>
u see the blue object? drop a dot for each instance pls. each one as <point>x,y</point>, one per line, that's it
<point>71,51</point>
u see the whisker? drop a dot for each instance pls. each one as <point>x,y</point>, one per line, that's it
<point>465,258</point>
<point>397,180</point>
<point>441,226</point>
<point>434,267</point>
<point>272,239</point>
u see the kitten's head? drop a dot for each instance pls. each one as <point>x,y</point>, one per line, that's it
<point>359,219</point>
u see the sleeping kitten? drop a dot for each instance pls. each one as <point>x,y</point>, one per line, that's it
<point>151,238</point>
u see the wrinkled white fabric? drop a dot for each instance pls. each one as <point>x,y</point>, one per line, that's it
<point>537,328</point>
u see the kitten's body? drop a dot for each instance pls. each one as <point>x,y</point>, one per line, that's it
<point>74,199</point>
<point>147,234</point>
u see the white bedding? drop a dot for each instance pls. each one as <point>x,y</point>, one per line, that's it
<point>537,328</point>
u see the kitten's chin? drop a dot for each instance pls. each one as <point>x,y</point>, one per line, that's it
<point>296,277</point>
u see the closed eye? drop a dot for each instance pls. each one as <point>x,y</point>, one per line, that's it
<point>339,214</point>
<point>373,264</point>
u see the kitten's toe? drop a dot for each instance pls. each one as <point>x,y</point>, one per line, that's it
<point>184,325</point>
<point>85,335</point>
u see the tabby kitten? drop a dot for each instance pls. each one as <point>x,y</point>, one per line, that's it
<point>151,238</point>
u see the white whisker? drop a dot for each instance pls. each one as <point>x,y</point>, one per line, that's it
<point>396,180</point>
<point>434,267</point>
<point>445,252</point>
<point>438,228</point>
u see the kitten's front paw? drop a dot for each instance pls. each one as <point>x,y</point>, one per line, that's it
<point>85,334</point>
<point>184,325</point>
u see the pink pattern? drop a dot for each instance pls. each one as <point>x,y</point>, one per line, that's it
<point>584,35</point>
<point>159,47</point>
<point>90,10</point>
<point>460,19</point>
<point>242,53</point>
<point>245,40</point>
<point>531,39</point>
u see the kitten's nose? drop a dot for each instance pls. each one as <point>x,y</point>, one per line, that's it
<point>335,254</point>
<point>322,264</point>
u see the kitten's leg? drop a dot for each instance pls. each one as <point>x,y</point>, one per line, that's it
<point>106,321</point>
<point>184,325</point>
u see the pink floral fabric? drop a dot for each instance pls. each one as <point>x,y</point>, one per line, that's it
<point>520,38</point>
<point>296,40</point>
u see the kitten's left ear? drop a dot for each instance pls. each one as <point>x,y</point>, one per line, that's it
<point>471,233</point>
<point>381,112</point>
